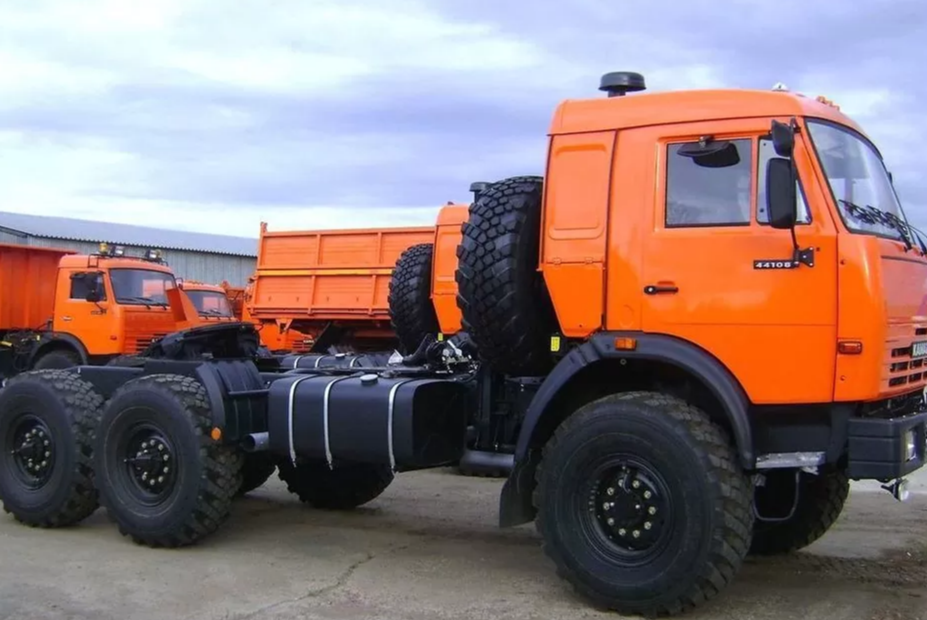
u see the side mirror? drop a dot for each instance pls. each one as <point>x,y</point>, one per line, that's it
<point>93,295</point>
<point>709,153</point>
<point>780,193</point>
<point>783,138</point>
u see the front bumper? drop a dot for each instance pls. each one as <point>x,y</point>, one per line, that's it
<point>878,448</point>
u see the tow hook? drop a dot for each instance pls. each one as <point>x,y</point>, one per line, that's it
<point>899,489</point>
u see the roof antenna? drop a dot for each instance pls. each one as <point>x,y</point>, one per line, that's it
<point>619,83</point>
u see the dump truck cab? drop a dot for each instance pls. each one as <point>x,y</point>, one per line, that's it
<point>109,304</point>
<point>211,300</point>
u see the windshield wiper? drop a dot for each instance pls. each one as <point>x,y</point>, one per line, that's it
<point>872,215</point>
<point>148,301</point>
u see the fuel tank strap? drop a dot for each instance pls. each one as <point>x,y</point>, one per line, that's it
<point>389,423</point>
<point>328,391</point>
<point>290,416</point>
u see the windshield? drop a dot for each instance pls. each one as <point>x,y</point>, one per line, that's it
<point>858,180</point>
<point>140,286</point>
<point>210,303</point>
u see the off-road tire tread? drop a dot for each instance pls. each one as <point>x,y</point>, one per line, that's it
<point>509,325</point>
<point>728,550</point>
<point>221,464</point>
<point>84,406</point>
<point>412,314</point>
<point>256,469</point>
<point>813,521</point>
<point>342,488</point>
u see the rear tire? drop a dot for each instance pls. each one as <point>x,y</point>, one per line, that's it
<point>411,312</point>
<point>667,465</point>
<point>50,415</point>
<point>347,486</point>
<point>161,477</point>
<point>504,303</point>
<point>820,502</point>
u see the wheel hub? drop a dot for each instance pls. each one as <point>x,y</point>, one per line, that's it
<point>630,508</point>
<point>151,462</point>
<point>33,451</point>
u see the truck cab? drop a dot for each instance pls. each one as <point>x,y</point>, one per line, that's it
<point>211,301</point>
<point>108,304</point>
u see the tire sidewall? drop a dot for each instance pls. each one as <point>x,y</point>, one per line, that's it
<point>149,405</point>
<point>660,442</point>
<point>18,399</point>
<point>56,360</point>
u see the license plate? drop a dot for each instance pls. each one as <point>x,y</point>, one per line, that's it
<point>919,349</point>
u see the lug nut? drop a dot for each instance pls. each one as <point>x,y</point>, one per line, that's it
<point>151,482</point>
<point>610,490</point>
<point>610,521</point>
<point>606,506</point>
<point>166,457</point>
<point>47,443</point>
<point>47,453</point>
<point>652,510</point>
<point>166,469</point>
<point>647,494</point>
<point>160,478</point>
<point>636,484</point>
<point>636,534</point>
<point>648,525</point>
<point>161,447</point>
<point>144,475</point>
<point>622,532</point>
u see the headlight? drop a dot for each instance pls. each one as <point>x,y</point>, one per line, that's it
<point>910,445</point>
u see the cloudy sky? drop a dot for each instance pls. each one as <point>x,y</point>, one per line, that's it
<point>214,115</point>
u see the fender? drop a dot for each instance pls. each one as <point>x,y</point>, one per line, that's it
<point>656,347</point>
<point>50,338</point>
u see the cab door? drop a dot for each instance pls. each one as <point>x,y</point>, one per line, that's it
<point>87,321</point>
<point>715,274</point>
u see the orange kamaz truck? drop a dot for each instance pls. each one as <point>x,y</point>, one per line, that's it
<point>330,286</point>
<point>703,320</point>
<point>59,308</point>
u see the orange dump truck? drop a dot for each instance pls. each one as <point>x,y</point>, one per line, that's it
<point>59,308</point>
<point>330,285</point>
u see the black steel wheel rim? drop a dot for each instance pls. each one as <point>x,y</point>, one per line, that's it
<point>30,451</point>
<point>626,510</point>
<point>149,461</point>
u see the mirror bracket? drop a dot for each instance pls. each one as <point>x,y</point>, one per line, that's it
<point>803,257</point>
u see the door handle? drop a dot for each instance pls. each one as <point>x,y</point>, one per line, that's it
<point>658,289</point>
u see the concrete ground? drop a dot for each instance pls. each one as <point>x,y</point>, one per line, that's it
<point>429,549</point>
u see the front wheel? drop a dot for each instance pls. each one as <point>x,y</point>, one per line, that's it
<point>642,505</point>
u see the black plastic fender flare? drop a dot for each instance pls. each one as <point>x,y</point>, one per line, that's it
<point>51,338</point>
<point>656,347</point>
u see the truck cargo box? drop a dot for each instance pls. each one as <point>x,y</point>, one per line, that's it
<point>328,275</point>
<point>28,276</point>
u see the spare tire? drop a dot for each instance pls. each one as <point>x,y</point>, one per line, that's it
<point>411,311</point>
<point>505,306</point>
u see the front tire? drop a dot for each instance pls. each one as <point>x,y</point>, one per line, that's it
<point>642,504</point>
<point>47,422</point>
<point>161,477</point>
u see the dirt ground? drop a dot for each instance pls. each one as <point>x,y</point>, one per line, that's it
<point>429,549</point>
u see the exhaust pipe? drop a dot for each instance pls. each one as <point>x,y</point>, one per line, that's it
<point>256,442</point>
<point>487,463</point>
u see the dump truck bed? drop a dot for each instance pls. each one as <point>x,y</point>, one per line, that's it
<point>328,275</point>
<point>28,276</point>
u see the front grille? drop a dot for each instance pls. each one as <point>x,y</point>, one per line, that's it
<point>902,370</point>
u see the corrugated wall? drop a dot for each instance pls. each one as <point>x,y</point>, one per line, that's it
<point>210,268</point>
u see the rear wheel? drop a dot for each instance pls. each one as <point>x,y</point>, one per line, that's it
<point>161,476</point>
<point>347,486</point>
<point>786,523</point>
<point>47,422</point>
<point>411,312</point>
<point>642,505</point>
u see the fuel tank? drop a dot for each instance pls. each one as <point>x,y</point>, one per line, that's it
<point>337,360</point>
<point>407,422</point>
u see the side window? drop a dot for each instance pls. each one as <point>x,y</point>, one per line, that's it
<point>711,189</point>
<point>83,282</point>
<point>767,152</point>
